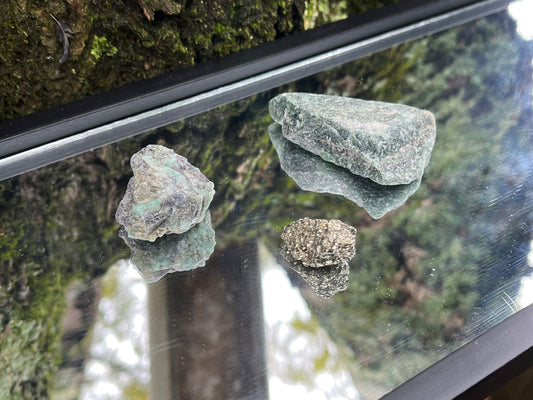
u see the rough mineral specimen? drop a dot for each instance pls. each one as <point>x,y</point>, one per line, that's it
<point>318,242</point>
<point>171,253</point>
<point>165,195</point>
<point>310,172</point>
<point>325,281</point>
<point>388,143</point>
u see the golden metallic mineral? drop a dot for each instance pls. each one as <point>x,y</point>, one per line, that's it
<point>318,242</point>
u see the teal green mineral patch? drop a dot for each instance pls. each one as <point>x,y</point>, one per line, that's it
<point>140,209</point>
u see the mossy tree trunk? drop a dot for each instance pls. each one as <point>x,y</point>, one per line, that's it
<point>56,51</point>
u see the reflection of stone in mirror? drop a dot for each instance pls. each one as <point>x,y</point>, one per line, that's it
<point>165,195</point>
<point>319,251</point>
<point>325,281</point>
<point>174,252</point>
<point>388,143</point>
<point>310,172</point>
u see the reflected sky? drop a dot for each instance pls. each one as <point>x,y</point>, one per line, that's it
<point>303,361</point>
<point>525,295</point>
<point>119,359</point>
<point>296,344</point>
<point>521,11</point>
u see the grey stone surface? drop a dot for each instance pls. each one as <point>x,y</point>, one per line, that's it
<point>310,172</point>
<point>388,143</point>
<point>173,252</point>
<point>318,242</point>
<point>325,281</point>
<point>165,195</point>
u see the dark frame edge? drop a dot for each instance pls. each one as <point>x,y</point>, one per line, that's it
<point>500,377</point>
<point>479,367</point>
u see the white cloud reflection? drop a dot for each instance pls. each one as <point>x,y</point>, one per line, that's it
<point>302,360</point>
<point>525,295</point>
<point>522,13</point>
<point>119,350</point>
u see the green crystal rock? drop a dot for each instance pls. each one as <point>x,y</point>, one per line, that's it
<point>310,172</point>
<point>165,195</point>
<point>173,252</point>
<point>319,242</point>
<point>388,143</point>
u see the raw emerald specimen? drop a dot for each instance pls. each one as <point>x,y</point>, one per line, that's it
<point>165,195</point>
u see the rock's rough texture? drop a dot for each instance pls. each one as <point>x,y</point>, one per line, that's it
<point>318,242</point>
<point>310,172</point>
<point>165,195</point>
<point>173,252</point>
<point>388,143</point>
<point>325,281</point>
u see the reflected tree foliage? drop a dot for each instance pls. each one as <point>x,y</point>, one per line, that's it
<point>425,278</point>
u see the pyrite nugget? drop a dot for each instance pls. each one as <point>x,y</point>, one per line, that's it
<point>318,242</point>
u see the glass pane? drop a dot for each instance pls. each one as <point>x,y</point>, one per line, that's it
<point>79,321</point>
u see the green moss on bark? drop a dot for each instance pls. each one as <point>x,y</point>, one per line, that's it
<point>119,42</point>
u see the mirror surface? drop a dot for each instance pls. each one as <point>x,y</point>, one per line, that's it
<point>78,320</point>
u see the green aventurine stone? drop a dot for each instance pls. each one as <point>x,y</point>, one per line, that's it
<point>388,143</point>
<point>165,195</point>
<point>310,172</point>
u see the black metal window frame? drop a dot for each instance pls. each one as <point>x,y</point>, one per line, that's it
<point>27,143</point>
<point>476,369</point>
